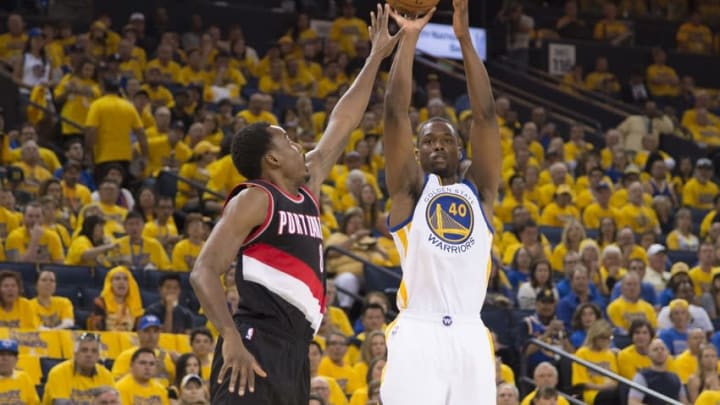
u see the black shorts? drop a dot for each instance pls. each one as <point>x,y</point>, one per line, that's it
<point>284,359</point>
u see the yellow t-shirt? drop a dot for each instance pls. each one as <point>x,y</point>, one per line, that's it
<point>48,158</point>
<point>18,389</point>
<point>251,118</point>
<point>184,255</point>
<point>686,365</point>
<point>609,29</point>
<point>21,316</point>
<point>345,376</point>
<point>60,309</point>
<point>33,176</point>
<point>171,70</point>
<point>164,373</point>
<point>640,219</point>
<point>581,375</point>
<point>9,222</point>
<point>189,76</point>
<point>131,68</point>
<point>702,280</point>
<point>113,213</point>
<point>700,196</point>
<point>149,251</point>
<point>76,106</point>
<point>630,362</point>
<point>340,320</point>
<point>554,215</point>
<point>622,312</point>
<point>704,226</point>
<point>114,118</point>
<point>347,31</point>
<point>12,46</point>
<point>64,383</point>
<point>529,397</point>
<point>327,86</point>
<point>159,95</point>
<point>694,38</point>
<point>133,393</point>
<point>80,245</point>
<point>77,196</point>
<point>595,81</point>
<point>224,177</point>
<point>49,246</point>
<point>337,396</point>
<point>708,397</point>
<point>269,85</point>
<point>156,231</point>
<point>594,213</point>
<point>504,210</point>
<point>661,90</point>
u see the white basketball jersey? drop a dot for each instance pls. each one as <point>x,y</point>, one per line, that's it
<point>445,250</point>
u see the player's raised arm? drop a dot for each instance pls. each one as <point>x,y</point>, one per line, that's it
<point>242,213</point>
<point>348,112</point>
<point>485,168</point>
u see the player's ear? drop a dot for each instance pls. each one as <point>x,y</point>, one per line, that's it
<point>272,159</point>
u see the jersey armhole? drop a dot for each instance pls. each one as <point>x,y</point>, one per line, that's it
<point>313,197</point>
<point>480,200</point>
<point>268,215</point>
<point>409,219</point>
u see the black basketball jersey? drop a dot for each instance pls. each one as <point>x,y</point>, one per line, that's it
<point>280,276</point>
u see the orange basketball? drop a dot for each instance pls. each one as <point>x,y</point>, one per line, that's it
<point>416,7</point>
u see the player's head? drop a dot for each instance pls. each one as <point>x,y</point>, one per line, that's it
<point>262,150</point>
<point>439,147</point>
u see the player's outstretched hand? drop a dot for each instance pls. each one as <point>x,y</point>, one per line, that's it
<point>410,24</point>
<point>382,42</point>
<point>461,21</point>
<point>241,363</point>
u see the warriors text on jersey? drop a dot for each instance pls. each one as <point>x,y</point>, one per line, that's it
<point>445,249</point>
<point>280,266</point>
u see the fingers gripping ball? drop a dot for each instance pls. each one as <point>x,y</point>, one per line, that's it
<point>413,7</point>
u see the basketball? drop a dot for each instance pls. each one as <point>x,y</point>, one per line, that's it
<point>416,7</point>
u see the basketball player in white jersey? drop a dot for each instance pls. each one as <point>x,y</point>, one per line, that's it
<point>439,351</point>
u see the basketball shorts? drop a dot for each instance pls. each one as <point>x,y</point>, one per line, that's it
<point>284,359</point>
<point>438,360</point>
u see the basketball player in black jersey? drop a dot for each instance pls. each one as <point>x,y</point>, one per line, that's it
<point>271,225</point>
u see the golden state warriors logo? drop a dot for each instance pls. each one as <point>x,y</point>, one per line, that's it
<point>450,217</point>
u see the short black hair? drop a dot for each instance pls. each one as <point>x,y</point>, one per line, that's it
<point>638,324</point>
<point>249,146</point>
<point>167,277</point>
<point>134,215</point>
<point>200,331</point>
<point>370,306</point>
<point>140,351</point>
<point>440,120</point>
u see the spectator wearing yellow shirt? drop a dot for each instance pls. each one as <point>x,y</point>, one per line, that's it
<point>658,377</point>
<point>711,218</point>
<point>12,43</point>
<point>630,249</point>
<point>573,80</point>
<point>194,72</point>
<point>162,227</point>
<point>694,36</point>
<point>109,123</point>
<point>141,102</point>
<point>561,211</point>
<point>576,147</point>
<point>75,92</point>
<point>332,365</point>
<point>162,118</point>
<point>76,380</point>
<point>74,194</point>
<point>636,214</point>
<point>140,251</point>
<point>159,95</point>
<point>516,197</point>
<point>138,387</point>
<point>702,274</point>
<point>700,191</point>
<point>167,152</point>
<point>169,69</point>
<point>8,220</point>
<point>15,310</point>
<point>224,81</point>
<point>662,79</point>
<point>32,242</point>
<point>130,67</point>
<point>187,250</point>
<point>16,387</point>
<point>601,208</point>
<point>711,394</point>
<point>256,113</point>
<point>630,306</point>
<point>686,363</point>
<point>34,172</point>
<point>348,29</point>
<point>244,57</point>
<point>114,214</point>
<point>609,28</point>
<point>274,81</point>
<point>558,174</point>
<point>601,80</point>
<point>119,303</point>
<point>545,375</point>
<point>702,102</point>
<point>596,349</point>
<point>331,80</point>
<point>90,247</point>
<point>148,338</point>
<point>572,237</point>
<point>298,80</point>
<point>707,366</point>
<point>612,138</point>
<point>704,130</point>
<point>682,238</point>
<point>634,357</point>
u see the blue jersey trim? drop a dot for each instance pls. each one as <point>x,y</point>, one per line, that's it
<point>482,211</point>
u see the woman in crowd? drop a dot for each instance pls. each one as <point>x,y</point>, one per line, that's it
<point>187,250</point>
<point>608,232</point>
<point>91,246</point>
<point>682,238</point>
<point>196,170</point>
<point>585,316</point>
<point>572,236</point>
<point>119,303</point>
<point>520,268</point>
<point>372,347</point>
<point>540,278</point>
<point>53,312</point>
<point>707,366</point>
<point>15,310</point>
<point>597,389</point>
<point>373,376</point>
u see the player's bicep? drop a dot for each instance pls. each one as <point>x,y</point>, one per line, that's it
<point>241,215</point>
<point>486,162</point>
<point>401,167</point>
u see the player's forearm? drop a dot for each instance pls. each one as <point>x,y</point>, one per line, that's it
<point>479,89</point>
<point>211,295</point>
<point>399,91</point>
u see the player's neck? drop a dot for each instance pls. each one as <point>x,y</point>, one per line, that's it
<point>290,187</point>
<point>446,181</point>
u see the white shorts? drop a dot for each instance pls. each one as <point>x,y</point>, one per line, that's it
<point>438,360</point>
